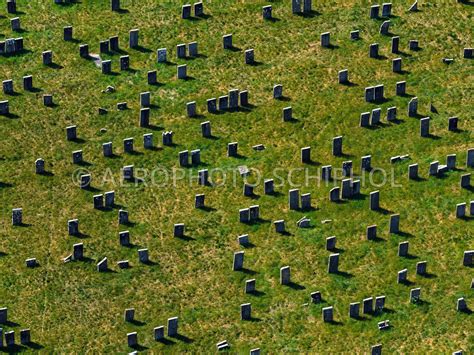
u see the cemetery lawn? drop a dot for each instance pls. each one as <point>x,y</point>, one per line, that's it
<point>73,308</point>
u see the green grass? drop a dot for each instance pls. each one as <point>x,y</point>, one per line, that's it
<point>73,308</point>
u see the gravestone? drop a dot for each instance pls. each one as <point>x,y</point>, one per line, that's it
<point>470,158</point>
<point>191,109</point>
<point>327,314</point>
<point>3,315</point>
<point>109,197</point>
<point>198,9</point>
<point>47,57</point>
<point>115,5</point>
<point>124,62</point>
<point>371,232</point>
<point>104,46</point>
<point>203,177</point>
<point>152,77</point>
<point>102,265</point>
<point>355,35</point>
<point>267,12</point>
<point>249,56</point>
<point>366,163</point>
<point>287,114</point>
<point>193,49</point>
<point>199,201</point>
<point>413,107</point>
<point>182,71</point>
<point>144,117</point>
<point>379,93</point>
<point>293,199</point>
<point>468,258</point>
<point>433,171</point>
<point>223,103</point>
<point>453,124</point>
<point>245,311</point>
<point>78,251</point>
<point>374,11</point>
<point>71,133</point>
<point>133,38</point>
<point>268,186</point>
<point>243,239</point>
<point>173,327</point>
<point>391,114</point>
<point>397,65</point>
<point>376,115</point>
<point>369,94</point>
<point>28,82</point>
<point>181,51</point>
<point>374,50</point>
<point>279,226</point>
<point>334,194</point>
<point>379,304</point>
<point>415,295</point>
<point>107,149</point>
<point>394,224</point>
<point>132,339</point>
<point>347,168</point>
<point>425,127</point>
<point>466,181</point>
<point>48,100</point>
<point>354,310</point>
<point>10,338</point>
<point>84,51</point>
<point>127,173</point>
<point>461,210</point>
<point>461,305</point>
<point>278,91</point>
<point>232,149</point>
<point>306,155</point>
<point>306,202</point>
<point>346,189</point>
<point>195,157</point>
<point>123,217</point>
<point>145,99</point>
<point>8,87</point>
<point>17,216</point>
<point>403,249</point>
<point>244,98</point>
<point>39,166</point>
<point>186,11</point>
<point>98,201</point>
<point>167,137</point>
<point>250,286</point>
<point>212,105</point>
<point>85,181</point>
<point>401,91</point>
<point>178,230</point>
<point>325,39</point>
<point>114,43</point>
<point>421,268</point>
<point>254,213</point>
<point>4,108</point>
<point>227,41</point>
<point>206,129</point>
<point>128,145</point>
<point>316,297</point>
<point>25,337</point>
<point>238,263</point>
<point>402,276</point>
<point>307,6</point>
<point>124,238</point>
<point>355,187</point>
<point>386,9</point>
<point>368,305</point>
<point>451,161</point>
<point>285,275</point>
<point>233,99</point>
<point>326,172</point>
<point>413,45</point>
<point>248,190</point>
<point>295,6</point>
<point>333,264</point>
<point>159,333</point>
<point>143,256</point>
<point>413,171</point>
<point>385,28</point>
<point>468,53</point>
<point>73,227</point>
<point>395,44</point>
<point>129,314</point>
<point>106,66</point>
<point>343,76</point>
<point>161,55</point>
<point>337,146</point>
<point>331,243</point>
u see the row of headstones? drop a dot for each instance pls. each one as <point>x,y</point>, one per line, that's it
<point>25,336</point>
<point>158,332</point>
<point>8,89</point>
<point>73,224</point>
<point>223,103</point>
<point>11,45</point>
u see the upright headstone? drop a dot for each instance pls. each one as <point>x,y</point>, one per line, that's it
<point>325,39</point>
<point>238,263</point>
<point>285,275</point>
<point>425,127</point>
<point>333,264</point>
<point>395,44</point>
<point>133,38</point>
<point>394,224</point>
<point>413,107</point>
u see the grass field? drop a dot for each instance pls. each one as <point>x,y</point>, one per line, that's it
<point>73,308</point>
